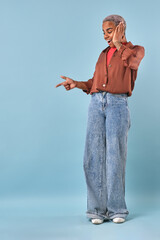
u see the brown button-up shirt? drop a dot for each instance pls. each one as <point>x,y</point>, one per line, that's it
<point>121,73</point>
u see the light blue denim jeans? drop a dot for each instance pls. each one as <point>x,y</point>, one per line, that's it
<point>105,155</point>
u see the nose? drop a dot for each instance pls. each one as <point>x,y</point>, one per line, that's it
<point>105,35</point>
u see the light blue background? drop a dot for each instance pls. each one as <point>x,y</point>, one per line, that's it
<point>42,128</point>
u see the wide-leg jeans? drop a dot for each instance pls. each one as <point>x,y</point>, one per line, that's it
<point>105,155</point>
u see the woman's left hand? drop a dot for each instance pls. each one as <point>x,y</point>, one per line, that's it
<point>119,35</point>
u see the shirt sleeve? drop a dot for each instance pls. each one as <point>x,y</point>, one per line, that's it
<point>131,57</point>
<point>88,85</point>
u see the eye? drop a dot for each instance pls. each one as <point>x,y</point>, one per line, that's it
<point>107,32</point>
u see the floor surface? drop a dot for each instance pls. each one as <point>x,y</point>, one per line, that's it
<point>63,218</point>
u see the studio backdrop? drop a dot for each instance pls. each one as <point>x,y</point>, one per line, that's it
<point>43,128</point>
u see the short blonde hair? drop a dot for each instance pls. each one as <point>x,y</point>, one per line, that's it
<point>116,19</point>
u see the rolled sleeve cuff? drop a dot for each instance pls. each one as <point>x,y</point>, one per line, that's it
<point>88,86</point>
<point>126,52</point>
<point>86,91</point>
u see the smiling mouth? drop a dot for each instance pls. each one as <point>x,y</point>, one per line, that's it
<point>109,41</point>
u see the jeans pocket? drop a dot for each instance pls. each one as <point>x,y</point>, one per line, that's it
<point>119,99</point>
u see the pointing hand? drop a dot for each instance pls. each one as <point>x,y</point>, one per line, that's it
<point>68,84</point>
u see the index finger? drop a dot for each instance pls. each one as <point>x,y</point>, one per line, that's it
<point>63,77</point>
<point>120,23</point>
<point>60,84</point>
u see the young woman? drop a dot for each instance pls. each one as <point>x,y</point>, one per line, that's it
<point>108,122</point>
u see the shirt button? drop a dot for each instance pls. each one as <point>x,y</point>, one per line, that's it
<point>104,85</point>
<point>110,65</point>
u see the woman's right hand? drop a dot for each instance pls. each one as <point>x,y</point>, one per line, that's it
<point>68,84</point>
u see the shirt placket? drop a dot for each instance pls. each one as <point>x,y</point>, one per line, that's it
<point>110,65</point>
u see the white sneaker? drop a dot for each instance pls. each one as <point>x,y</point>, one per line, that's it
<point>97,221</point>
<point>118,220</point>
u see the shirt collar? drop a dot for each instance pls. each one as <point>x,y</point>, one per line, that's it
<point>127,44</point>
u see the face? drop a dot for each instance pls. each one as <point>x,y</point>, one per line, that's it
<point>108,29</point>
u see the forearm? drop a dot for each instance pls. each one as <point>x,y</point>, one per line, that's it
<point>117,44</point>
<point>81,85</point>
